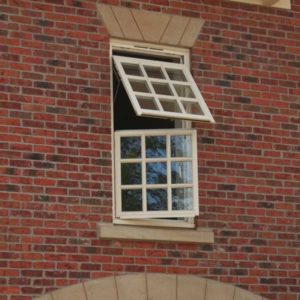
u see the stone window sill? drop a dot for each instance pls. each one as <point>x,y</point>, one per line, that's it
<point>286,4</point>
<point>111,231</point>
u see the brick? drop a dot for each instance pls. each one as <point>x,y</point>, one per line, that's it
<point>44,85</point>
<point>56,159</point>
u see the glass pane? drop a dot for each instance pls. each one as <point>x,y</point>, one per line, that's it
<point>147,103</point>
<point>181,172</point>
<point>132,69</point>
<point>175,74</point>
<point>162,88</point>
<point>131,147</point>
<point>181,146</point>
<point>155,146</point>
<point>182,199</point>
<point>154,72</point>
<point>169,105</point>
<point>156,172</point>
<point>184,91</point>
<point>132,200</point>
<point>131,173</point>
<point>139,86</point>
<point>192,108</point>
<point>157,199</point>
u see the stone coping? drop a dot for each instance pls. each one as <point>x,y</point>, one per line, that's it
<point>285,4</point>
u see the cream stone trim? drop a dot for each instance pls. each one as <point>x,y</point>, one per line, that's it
<point>110,231</point>
<point>286,4</point>
<point>150,27</point>
<point>143,286</point>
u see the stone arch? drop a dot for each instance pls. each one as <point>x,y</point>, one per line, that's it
<point>151,287</point>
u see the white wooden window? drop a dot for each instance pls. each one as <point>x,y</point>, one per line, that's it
<point>156,174</point>
<point>155,151</point>
<point>161,89</point>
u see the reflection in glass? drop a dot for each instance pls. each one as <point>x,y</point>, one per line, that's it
<point>184,91</point>
<point>181,146</point>
<point>155,146</point>
<point>156,172</point>
<point>192,108</point>
<point>132,69</point>
<point>181,172</point>
<point>131,173</point>
<point>139,86</point>
<point>175,74</point>
<point>182,199</point>
<point>131,147</point>
<point>162,88</point>
<point>157,199</point>
<point>147,103</point>
<point>154,72</point>
<point>132,200</point>
<point>169,105</point>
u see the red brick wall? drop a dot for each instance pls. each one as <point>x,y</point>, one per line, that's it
<point>55,148</point>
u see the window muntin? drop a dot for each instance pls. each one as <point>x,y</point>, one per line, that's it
<point>156,174</point>
<point>161,89</point>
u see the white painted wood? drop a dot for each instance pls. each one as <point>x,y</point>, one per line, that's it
<point>169,213</point>
<point>181,55</point>
<point>180,223</point>
<point>133,95</point>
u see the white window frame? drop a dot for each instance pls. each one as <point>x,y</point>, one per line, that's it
<point>168,160</point>
<point>174,97</point>
<point>183,55</point>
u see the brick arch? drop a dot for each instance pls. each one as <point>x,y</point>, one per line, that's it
<point>151,287</point>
